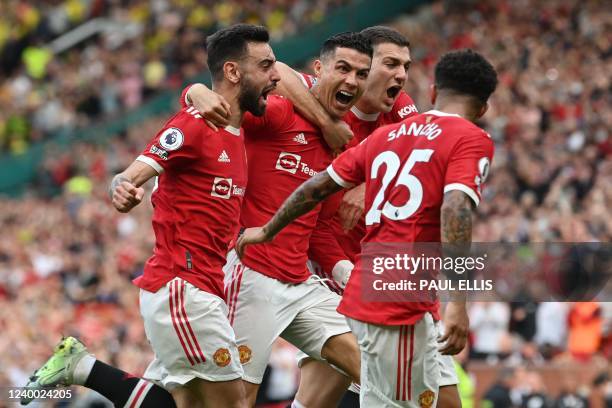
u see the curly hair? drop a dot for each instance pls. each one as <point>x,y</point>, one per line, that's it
<point>466,72</point>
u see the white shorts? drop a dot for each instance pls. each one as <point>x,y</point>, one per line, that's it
<point>400,365</point>
<point>262,308</point>
<point>190,335</point>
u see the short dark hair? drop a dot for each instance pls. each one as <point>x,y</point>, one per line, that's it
<point>466,72</point>
<point>349,39</point>
<point>381,35</point>
<point>231,44</point>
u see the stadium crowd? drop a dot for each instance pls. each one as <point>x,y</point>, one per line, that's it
<point>143,47</point>
<point>66,261</point>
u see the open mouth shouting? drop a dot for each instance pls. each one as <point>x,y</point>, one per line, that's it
<point>345,99</point>
<point>266,91</point>
<point>393,91</point>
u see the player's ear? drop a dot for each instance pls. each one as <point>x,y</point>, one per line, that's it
<point>231,72</point>
<point>433,93</point>
<point>317,66</point>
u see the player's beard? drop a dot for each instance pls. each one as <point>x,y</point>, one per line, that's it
<point>249,99</point>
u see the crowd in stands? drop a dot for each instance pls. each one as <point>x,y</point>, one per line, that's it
<point>144,47</point>
<point>66,260</point>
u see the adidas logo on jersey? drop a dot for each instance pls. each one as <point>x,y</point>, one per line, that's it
<point>300,138</point>
<point>223,157</point>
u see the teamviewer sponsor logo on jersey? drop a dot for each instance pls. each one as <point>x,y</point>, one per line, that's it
<point>288,162</point>
<point>222,187</point>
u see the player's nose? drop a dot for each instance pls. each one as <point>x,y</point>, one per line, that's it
<point>351,79</point>
<point>274,75</point>
<point>401,75</point>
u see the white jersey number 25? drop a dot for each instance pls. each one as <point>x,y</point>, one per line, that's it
<point>415,188</point>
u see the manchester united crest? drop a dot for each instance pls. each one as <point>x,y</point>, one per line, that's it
<point>426,399</point>
<point>245,354</point>
<point>222,357</point>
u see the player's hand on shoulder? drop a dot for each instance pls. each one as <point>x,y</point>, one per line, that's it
<point>352,207</point>
<point>337,134</point>
<point>212,106</point>
<point>456,328</point>
<point>255,235</point>
<point>125,195</point>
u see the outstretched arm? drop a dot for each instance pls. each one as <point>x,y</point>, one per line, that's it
<point>456,234</point>
<point>301,201</point>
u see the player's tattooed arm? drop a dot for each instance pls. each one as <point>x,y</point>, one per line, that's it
<point>456,218</point>
<point>301,201</point>
<point>456,231</point>
<point>125,191</point>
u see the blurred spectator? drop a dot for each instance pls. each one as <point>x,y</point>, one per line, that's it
<point>489,326</point>
<point>498,396</point>
<point>570,396</point>
<point>551,328</point>
<point>601,397</point>
<point>585,330</point>
<point>536,396</point>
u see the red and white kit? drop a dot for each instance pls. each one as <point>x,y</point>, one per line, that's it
<point>330,245</point>
<point>407,168</point>
<point>270,292</point>
<point>197,199</point>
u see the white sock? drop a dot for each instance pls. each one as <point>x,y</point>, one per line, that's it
<point>83,369</point>
<point>297,404</point>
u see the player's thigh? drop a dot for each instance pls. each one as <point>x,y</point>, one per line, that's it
<point>449,393</point>
<point>190,334</point>
<point>320,384</point>
<point>317,320</point>
<point>230,394</point>
<point>185,397</point>
<point>448,397</point>
<point>399,364</point>
<point>258,316</point>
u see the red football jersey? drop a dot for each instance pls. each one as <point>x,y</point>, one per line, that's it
<point>284,150</point>
<point>196,202</point>
<point>407,168</point>
<point>322,248</point>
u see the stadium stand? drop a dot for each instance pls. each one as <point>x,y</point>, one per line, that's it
<point>66,259</point>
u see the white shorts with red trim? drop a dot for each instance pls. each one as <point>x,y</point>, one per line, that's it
<point>400,365</point>
<point>261,309</point>
<point>190,335</point>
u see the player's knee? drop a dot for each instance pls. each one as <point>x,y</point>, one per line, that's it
<point>321,385</point>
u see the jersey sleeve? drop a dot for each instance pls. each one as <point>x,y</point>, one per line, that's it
<point>308,80</point>
<point>403,108</point>
<point>469,165</point>
<point>183,99</point>
<point>348,169</point>
<point>175,144</point>
<point>278,115</point>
